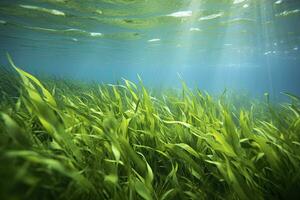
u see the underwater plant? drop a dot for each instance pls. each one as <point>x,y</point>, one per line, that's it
<point>60,140</point>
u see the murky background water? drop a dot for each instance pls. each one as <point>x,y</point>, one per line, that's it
<point>246,45</point>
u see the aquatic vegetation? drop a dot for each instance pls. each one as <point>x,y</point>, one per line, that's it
<point>65,141</point>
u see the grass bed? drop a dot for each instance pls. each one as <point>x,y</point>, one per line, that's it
<point>62,141</point>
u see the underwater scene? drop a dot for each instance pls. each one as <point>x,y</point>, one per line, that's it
<point>149,99</point>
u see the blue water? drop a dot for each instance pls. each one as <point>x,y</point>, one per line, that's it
<point>243,45</point>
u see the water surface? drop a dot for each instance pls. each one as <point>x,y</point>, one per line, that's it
<point>246,45</point>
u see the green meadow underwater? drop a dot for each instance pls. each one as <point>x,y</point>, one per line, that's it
<point>149,99</point>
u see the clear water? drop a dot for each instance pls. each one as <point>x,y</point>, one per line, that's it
<point>245,45</point>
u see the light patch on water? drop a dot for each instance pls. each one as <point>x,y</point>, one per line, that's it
<point>268,52</point>
<point>228,45</point>
<point>295,48</point>
<point>93,34</point>
<point>212,16</point>
<point>41,29</point>
<point>2,22</point>
<point>239,20</point>
<point>99,12</point>
<point>246,6</point>
<point>232,65</point>
<point>154,40</point>
<point>57,12</point>
<point>278,2</point>
<point>195,29</point>
<point>187,13</point>
<point>50,11</point>
<point>74,29</point>
<point>58,1</point>
<point>288,12</point>
<point>74,33</point>
<point>238,1</point>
